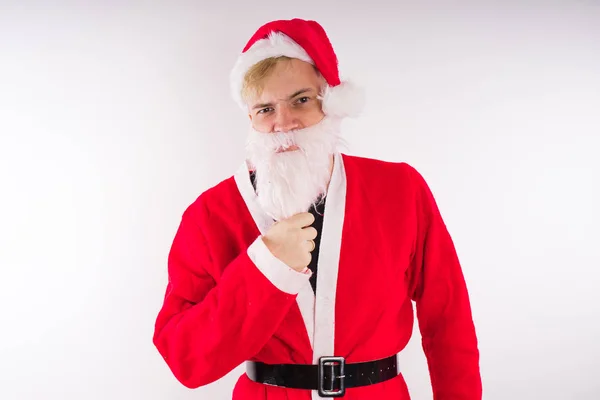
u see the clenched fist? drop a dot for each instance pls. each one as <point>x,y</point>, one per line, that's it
<point>292,240</point>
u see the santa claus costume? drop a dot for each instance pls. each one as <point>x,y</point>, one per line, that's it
<point>335,331</point>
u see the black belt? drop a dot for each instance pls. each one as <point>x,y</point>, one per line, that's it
<point>331,376</point>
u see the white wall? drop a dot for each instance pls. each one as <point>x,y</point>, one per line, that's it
<point>114,116</point>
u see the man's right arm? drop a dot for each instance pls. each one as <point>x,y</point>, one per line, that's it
<point>205,329</point>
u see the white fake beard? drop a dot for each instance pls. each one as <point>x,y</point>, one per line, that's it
<point>288,183</point>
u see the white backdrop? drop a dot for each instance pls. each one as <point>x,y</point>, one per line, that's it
<point>114,116</point>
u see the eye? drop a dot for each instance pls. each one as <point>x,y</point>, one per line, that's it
<point>264,110</point>
<point>303,99</point>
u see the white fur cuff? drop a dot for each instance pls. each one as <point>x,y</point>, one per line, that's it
<point>283,277</point>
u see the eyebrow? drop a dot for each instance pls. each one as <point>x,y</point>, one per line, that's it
<point>297,93</point>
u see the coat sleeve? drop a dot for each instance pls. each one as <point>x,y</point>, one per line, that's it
<point>438,287</point>
<point>210,322</point>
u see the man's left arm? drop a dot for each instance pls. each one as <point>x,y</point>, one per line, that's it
<point>438,287</point>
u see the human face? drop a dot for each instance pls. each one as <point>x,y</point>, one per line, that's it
<point>289,99</point>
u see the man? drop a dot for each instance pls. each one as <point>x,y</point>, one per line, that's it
<point>305,264</point>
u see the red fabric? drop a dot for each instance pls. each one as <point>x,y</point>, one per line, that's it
<point>219,310</point>
<point>311,36</point>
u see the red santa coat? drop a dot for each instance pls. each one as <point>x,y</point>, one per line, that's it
<point>383,246</point>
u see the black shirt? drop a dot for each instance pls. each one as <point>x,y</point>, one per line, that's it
<point>317,211</point>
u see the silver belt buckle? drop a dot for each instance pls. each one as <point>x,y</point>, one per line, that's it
<point>337,366</point>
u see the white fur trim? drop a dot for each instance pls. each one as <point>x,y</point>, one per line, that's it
<point>344,100</point>
<point>283,277</point>
<point>244,184</point>
<point>329,258</point>
<point>306,304</point>
<point>275,45</point>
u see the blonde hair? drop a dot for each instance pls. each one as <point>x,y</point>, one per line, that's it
<point>254,79</point>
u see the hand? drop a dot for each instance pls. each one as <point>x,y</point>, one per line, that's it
<point>292,240</point>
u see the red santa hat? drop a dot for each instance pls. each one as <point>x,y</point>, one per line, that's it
<point>306,41</point>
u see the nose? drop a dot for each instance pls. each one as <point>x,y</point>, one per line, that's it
<point>285,120</point>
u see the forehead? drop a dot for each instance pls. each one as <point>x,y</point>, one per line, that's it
<point>288,77</point>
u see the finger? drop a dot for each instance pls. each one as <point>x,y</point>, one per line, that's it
<point>307,258</point>
<point>309,245</point>
<point>308,233</point>
<point>302,219</point>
